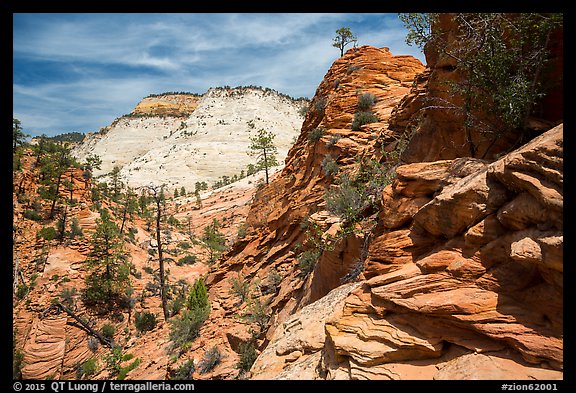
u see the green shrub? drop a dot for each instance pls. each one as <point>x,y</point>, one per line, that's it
<point>24,289</point>
<point>178,300</point>
<point>75,229</point>
<point>316,134</point>
<point>346,201</point>
<point>352,68</point>
<point>333,140</point>
<point>185,371</point>
<point>210,359</point>
<point>184,245</point>
<point>248,355</point>
<point>67,297</point>
<point>373,177</point>
<point>114,358</point>
<point>87,369</point>
<point>186,328</point>
<point>173,221</point>
<point>125,370</point>
<point>257,312</point>
<point>307,261</point>
<point>330,166</point>
<point>108,330</point>
<point>32,215</point>
<point>320,104</point>
<point>242,231</point>
<point>47,233</point>
<point>366,101</point>
<point>239,287</point>
<point>145,321</point>
<point>361,118</point>
<point>187,260</point>
<point>198,298</point>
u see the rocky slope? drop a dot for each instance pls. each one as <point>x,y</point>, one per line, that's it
<point>283,213</point>
<point>52,343</point>
<point>455,262</point>
<point>183,139</point>
<point>453,268</point>
<point>463,282</point>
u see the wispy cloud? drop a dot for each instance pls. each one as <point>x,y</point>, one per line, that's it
<point>77,72</point>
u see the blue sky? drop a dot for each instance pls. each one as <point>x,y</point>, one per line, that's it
<point>78,72</point>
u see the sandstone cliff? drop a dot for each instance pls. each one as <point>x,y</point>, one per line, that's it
<point>455,262</point>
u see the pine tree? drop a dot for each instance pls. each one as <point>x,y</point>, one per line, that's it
<point>130,206</point>
<point>213,240</point>
<point>343,37</point>
<point>18,136</point>
<point>108,281</point>
<point>262,147</point>
<point>198,298</point>
<point>55,159</point>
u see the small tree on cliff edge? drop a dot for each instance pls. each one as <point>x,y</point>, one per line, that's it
<point>343,37</point>
<point>262,146</point>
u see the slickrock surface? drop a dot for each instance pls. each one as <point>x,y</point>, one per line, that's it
<point>470,289</point>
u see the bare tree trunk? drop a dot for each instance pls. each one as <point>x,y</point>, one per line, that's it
<point>157,199</point>
<point>102,339</point>
<point>124,217</point>
<point>161,262</point>
<point>71,187</point>
<point>15,277</point>
<point>55,197</point>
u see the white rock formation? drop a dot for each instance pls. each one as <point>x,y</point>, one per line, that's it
<point>212,142</point>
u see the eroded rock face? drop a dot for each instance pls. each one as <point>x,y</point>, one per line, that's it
<point>480,286</point>
<point>288,212</point>
<point>167,105</point>
<point>456,274</point>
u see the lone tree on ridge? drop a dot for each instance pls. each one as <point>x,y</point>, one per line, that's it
<point>343,37</point>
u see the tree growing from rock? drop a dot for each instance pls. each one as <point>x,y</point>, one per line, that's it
<point>343,37</point>
<point>262,147</point>
<point>18,135</point>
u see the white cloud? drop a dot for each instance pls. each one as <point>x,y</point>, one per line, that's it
<point>102,65</point>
